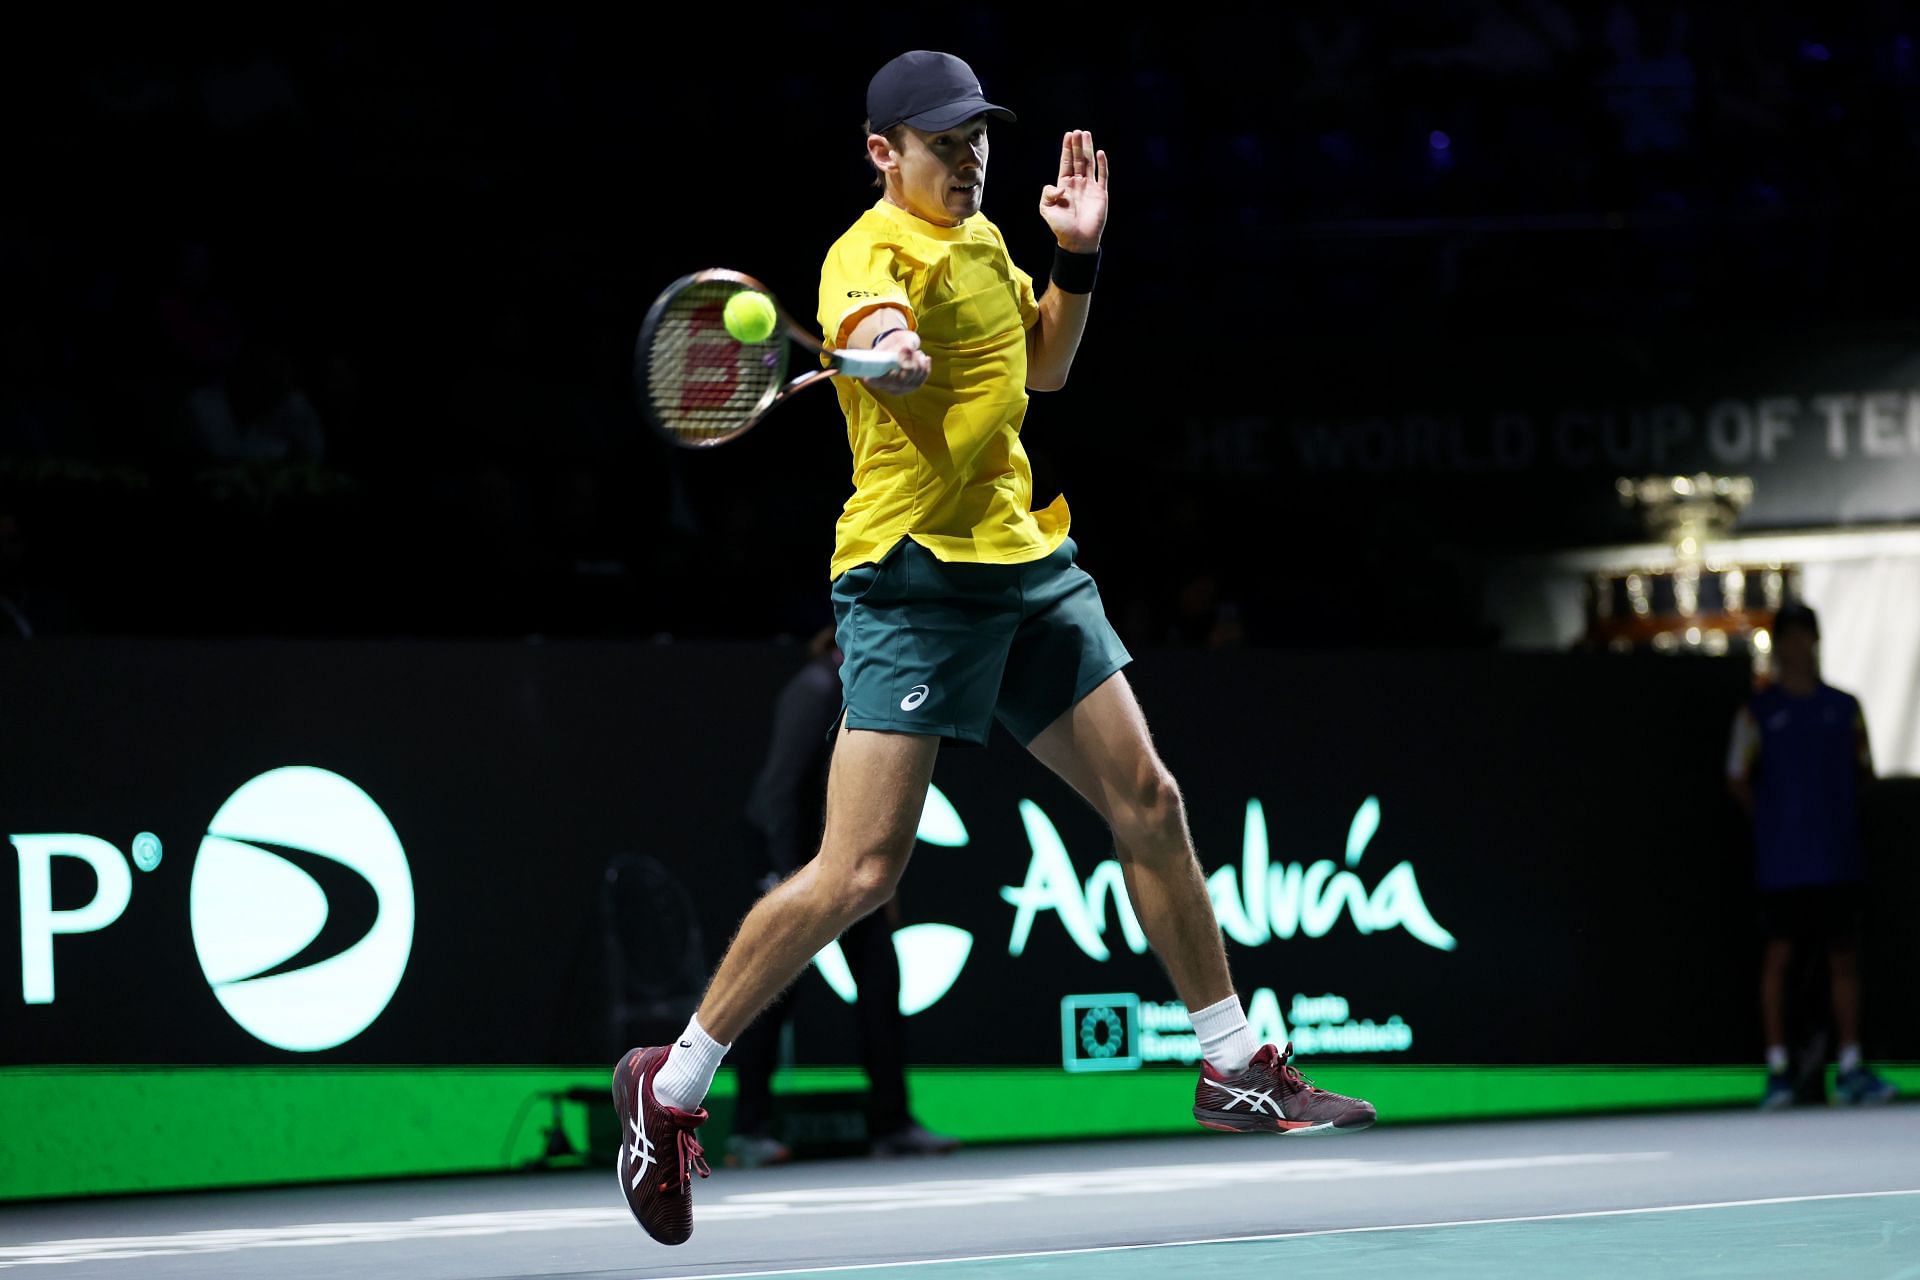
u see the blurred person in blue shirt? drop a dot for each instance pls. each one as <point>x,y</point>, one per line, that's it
<point>1797,764</point>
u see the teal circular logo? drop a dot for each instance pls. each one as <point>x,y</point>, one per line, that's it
<point>1101,1032</point>
<point>146,851</point>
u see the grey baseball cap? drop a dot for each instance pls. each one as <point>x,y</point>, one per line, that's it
<point>930,91</point>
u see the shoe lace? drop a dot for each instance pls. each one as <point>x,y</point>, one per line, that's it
<point>1291,1074</point>
<point>692,1159</point>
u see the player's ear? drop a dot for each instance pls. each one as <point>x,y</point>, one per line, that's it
<point>881,153</point>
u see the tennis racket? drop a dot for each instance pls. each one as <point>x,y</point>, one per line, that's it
<point>700,386</point>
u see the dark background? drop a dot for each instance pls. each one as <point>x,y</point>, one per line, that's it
<point>1564,815</point>
<point>408,255</point>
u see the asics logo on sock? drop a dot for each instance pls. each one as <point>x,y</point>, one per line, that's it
<point>1257,1100</point>
<point>914,698</point>
<point>686,1044</point>
<point>640,1149</point>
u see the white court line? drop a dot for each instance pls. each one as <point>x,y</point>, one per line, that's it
<point>856,1199</point>
<point>1296,1235</point>
<point>942,1193</point>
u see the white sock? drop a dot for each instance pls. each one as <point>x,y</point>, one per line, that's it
<point>1849,1057</point>
<point>1225,1038</point>
<point>1776,1058</point>
<point>683,1080</point>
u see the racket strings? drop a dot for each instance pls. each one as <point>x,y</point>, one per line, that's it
<point>703,383</point>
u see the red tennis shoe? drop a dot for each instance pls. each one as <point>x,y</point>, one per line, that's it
<point>1271,1097</point>
<point>658,1153</point>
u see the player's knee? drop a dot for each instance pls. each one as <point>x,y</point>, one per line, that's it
<point>1162,803</point>
<point>871,882</point>
<point>860,866</point>
<point>865,873</point>
<point>1154,812</point>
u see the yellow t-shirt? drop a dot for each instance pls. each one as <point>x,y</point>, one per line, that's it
<point>942,465</point>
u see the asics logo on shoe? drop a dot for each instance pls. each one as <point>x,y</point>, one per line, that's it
<point>915,698</point>
<point>1257,1100</point>
<point>640,1149</point>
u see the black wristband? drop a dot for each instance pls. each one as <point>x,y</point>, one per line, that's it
<point>1075,272</point>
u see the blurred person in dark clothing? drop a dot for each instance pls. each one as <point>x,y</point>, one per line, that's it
<point>785,815</point>
<point>1798,761</point>
<point>257,411</point>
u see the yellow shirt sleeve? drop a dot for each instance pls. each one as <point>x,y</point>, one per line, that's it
<point>858,276</point>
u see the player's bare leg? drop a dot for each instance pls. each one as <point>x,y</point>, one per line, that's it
<point>1102,749</point>
<point>876,789</point>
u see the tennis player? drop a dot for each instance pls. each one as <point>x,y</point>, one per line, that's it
<point>956,604</point>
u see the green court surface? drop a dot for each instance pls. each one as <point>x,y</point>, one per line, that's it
<point>1873,1235</point>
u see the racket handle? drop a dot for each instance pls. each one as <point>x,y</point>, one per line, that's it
<point>864,364</point>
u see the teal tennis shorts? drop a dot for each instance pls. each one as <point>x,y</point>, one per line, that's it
<point>942,648</point>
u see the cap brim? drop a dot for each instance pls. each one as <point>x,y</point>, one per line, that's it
<point>958,113</point>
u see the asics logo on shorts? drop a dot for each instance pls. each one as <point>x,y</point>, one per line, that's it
<point>913,699</point>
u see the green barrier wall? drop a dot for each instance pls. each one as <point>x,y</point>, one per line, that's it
<point>74,1131</point>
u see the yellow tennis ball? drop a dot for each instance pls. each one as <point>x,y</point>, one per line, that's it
<point>750,316</point>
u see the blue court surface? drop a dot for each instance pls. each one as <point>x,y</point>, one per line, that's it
<point>1807,1193</point>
